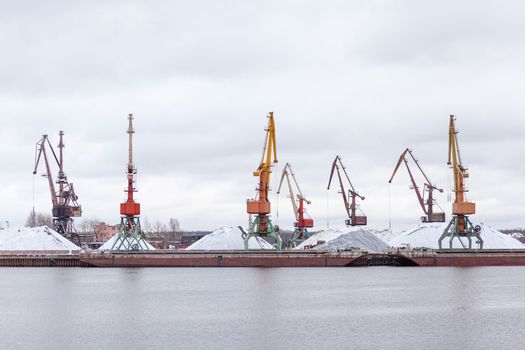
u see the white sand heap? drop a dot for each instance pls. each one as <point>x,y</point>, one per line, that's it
<point>109,244</point>
<point>385,235</point>
<point>345,238</point>
<point>34,238</point>
<point>228,238</point>
<point>427,235</point>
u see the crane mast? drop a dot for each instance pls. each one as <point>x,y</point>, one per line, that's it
<point>301,223</point>
<point>260,205</point>
<point>426,204</point>
<point>64,200</point>
<point>460,225</point>
<point>130,236</point>
<point>350,207</point>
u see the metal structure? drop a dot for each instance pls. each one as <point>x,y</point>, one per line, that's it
<point>301,224</point>
<point>460,226</point>
<point>427,204</point>
<point>351,208</point>
<point>65,206</point>
<point>130,236</point>
<point>260,206</point>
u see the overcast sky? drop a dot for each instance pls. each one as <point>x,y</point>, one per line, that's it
<point>362,79</point>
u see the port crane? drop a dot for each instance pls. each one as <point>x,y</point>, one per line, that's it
<point>460,224</point>
<point>427,204</point>
<point>260,205</point>
<point>301,224</point>
<point>351,208</point>
<point>131,236</point>
<point>64,200</point>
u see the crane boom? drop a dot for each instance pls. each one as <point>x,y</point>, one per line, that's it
<point>350,208</point>
<point>269,155</point>
<point>130,208</point>
<point>41,150</point>
<point>426,205</point>
<point>461,206</point>
<point>261,206</point>
<point>298,209</point>
<point>290,188</point>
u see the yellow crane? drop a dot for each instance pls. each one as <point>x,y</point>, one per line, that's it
<point>260,205</point>
<point>460,226</point>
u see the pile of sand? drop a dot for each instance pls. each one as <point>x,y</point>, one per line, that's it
<point>34,238</point>
<point>427,235</point>
<point>228,238</point>
<point>345,238</point>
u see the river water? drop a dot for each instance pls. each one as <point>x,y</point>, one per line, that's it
<point>262,308</point>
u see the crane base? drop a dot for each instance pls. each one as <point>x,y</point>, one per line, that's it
<point>299,236</point>
<point>453,231</point>
<point>130,237</point>
<point>66,227</point>
<point>271,231</point>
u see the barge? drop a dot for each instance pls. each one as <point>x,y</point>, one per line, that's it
<point>230,258</point>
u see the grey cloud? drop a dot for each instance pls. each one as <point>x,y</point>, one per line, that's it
<point>360,79</point>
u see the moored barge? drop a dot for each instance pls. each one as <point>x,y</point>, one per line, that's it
<point>230,258</point>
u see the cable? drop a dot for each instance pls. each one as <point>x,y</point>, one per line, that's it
<point>327,210</point>
<point>33,192</point>
<point>33,213</point>
<point>449,183</point>
<point>389,210</point>
<point>277,211</point>
<point>276,196</point>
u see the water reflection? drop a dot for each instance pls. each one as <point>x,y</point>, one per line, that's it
<point>306,308</point>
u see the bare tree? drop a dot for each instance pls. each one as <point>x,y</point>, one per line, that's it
<point>174,225</point>
<point>146,226</point>
<point>159,227</point>
<point>39,219</point>
<point>88,225</point>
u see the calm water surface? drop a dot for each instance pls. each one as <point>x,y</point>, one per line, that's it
<point>259,308</point>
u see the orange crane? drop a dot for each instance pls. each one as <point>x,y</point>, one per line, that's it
<point>260,205</point>
<point>64,200</point>
<point>460,225</point>
<point>301,224</point>
<point>130,236</point>
<point>351,208</point>
<point>426,204</point>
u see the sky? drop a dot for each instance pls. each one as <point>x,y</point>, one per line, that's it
<point>359,79</point>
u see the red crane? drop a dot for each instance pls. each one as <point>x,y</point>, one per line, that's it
<point>426,204</point>
<point>130,236</point>
<point>351,208</point>
<point>64,200</point>
<point>301,223</point>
